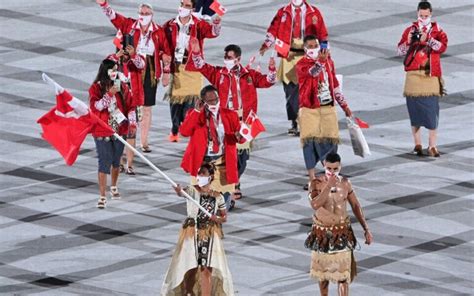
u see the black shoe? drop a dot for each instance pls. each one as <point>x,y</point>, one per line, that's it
<point>293,132</point>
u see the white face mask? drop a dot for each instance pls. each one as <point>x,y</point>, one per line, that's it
<point>202,180</point>
<point>312,53</point>
<point>329,174</point>
<point>184,12</point>
<point>213,108</point>
<point>144,20</point>
<point>297,3</point>
<point>112,74</point>
<point>424,22</point>
<point>229,64</point>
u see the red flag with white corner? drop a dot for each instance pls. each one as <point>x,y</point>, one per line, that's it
<point>281,47</point>
<point>67,124</point>
<point>218,8</point>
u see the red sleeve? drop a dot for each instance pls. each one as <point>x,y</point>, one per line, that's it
<point>121,22</point>
<point>404,38</point>
<point>333,74</point>
<point>94,96</point>
<point>443,38</point>
<point>163,42</point>
<point>190,123</point>
<point>260,80</point>
<point>128,98</point>
<point>205,30</point>
<point>275,24</point>
<point>207,70</point>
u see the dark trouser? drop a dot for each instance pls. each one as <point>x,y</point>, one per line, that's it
<point>149,90</point>
<point>292,100</point>
<point>242,158</point>
<point>178,113</point>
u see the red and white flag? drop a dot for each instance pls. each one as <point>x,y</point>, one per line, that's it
<point>118,39</point>
<point>361,123</point>
<point>218,8</point>
<point>67,124</point>
<point>281,47</point>
<point>252,127</point>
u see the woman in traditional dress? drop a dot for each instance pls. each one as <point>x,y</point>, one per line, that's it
<point>199,265</point>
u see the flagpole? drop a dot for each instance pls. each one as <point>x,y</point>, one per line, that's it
<point>58,89</point>
<point>118,137</point>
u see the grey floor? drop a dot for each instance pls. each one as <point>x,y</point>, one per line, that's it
<point>53,241</point>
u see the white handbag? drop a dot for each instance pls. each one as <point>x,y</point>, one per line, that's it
<point>359,144</point>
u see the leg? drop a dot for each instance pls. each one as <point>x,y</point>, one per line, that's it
<point>432,150</point>
<point>242,158</point>
<point>343,288</point>
<point>206,275</point>
<point>416,132</point>
<point>102,177</point>
<point>324,288</point>
<point>145,126</point>
<point>189,280</point>
<point>114,176</point>
<point>433,136</point>
<point>175,110</point>
<point>292,105</point>
<point>104,155</point>
<point>130,155</point>
<point>310,156</point>
<point>117,151</point>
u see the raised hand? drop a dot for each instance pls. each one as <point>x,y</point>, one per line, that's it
<point>100,2</point>
<point>130,50</point>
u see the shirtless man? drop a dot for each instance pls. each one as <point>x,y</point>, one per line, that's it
<point>331,239</point>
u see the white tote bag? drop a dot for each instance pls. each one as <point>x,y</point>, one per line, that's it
<point>359,144</point>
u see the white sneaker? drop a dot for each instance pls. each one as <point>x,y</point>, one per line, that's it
<point>102,202</point>
<point>114,192</point>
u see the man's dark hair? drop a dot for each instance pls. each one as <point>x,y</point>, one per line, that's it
<point>309,38</point>
<point>235,48</point>
<point>333,157</point>
<point>424,5</point>
<point>207,167</point>
<point>207,89</point>
<point>193,2</point>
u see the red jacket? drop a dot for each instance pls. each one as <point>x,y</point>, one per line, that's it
<point>95,95</point>
<point>435,45</point>
<point>126,25</point>
<point>195,126</point>
<point>199,30</point>
<point>136,82</point>
<point>308,84</point>
<point>222,79</point>
<point>281,26</point>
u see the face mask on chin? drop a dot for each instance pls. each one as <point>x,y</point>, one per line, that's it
<point>184,12</point>
<point>112,74</point>
<point>230,64</point>
<point>144,20</point>
<point>202,180</point>
<point>424,22</point>
<point>312,53</point>
<point>297,3</point>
